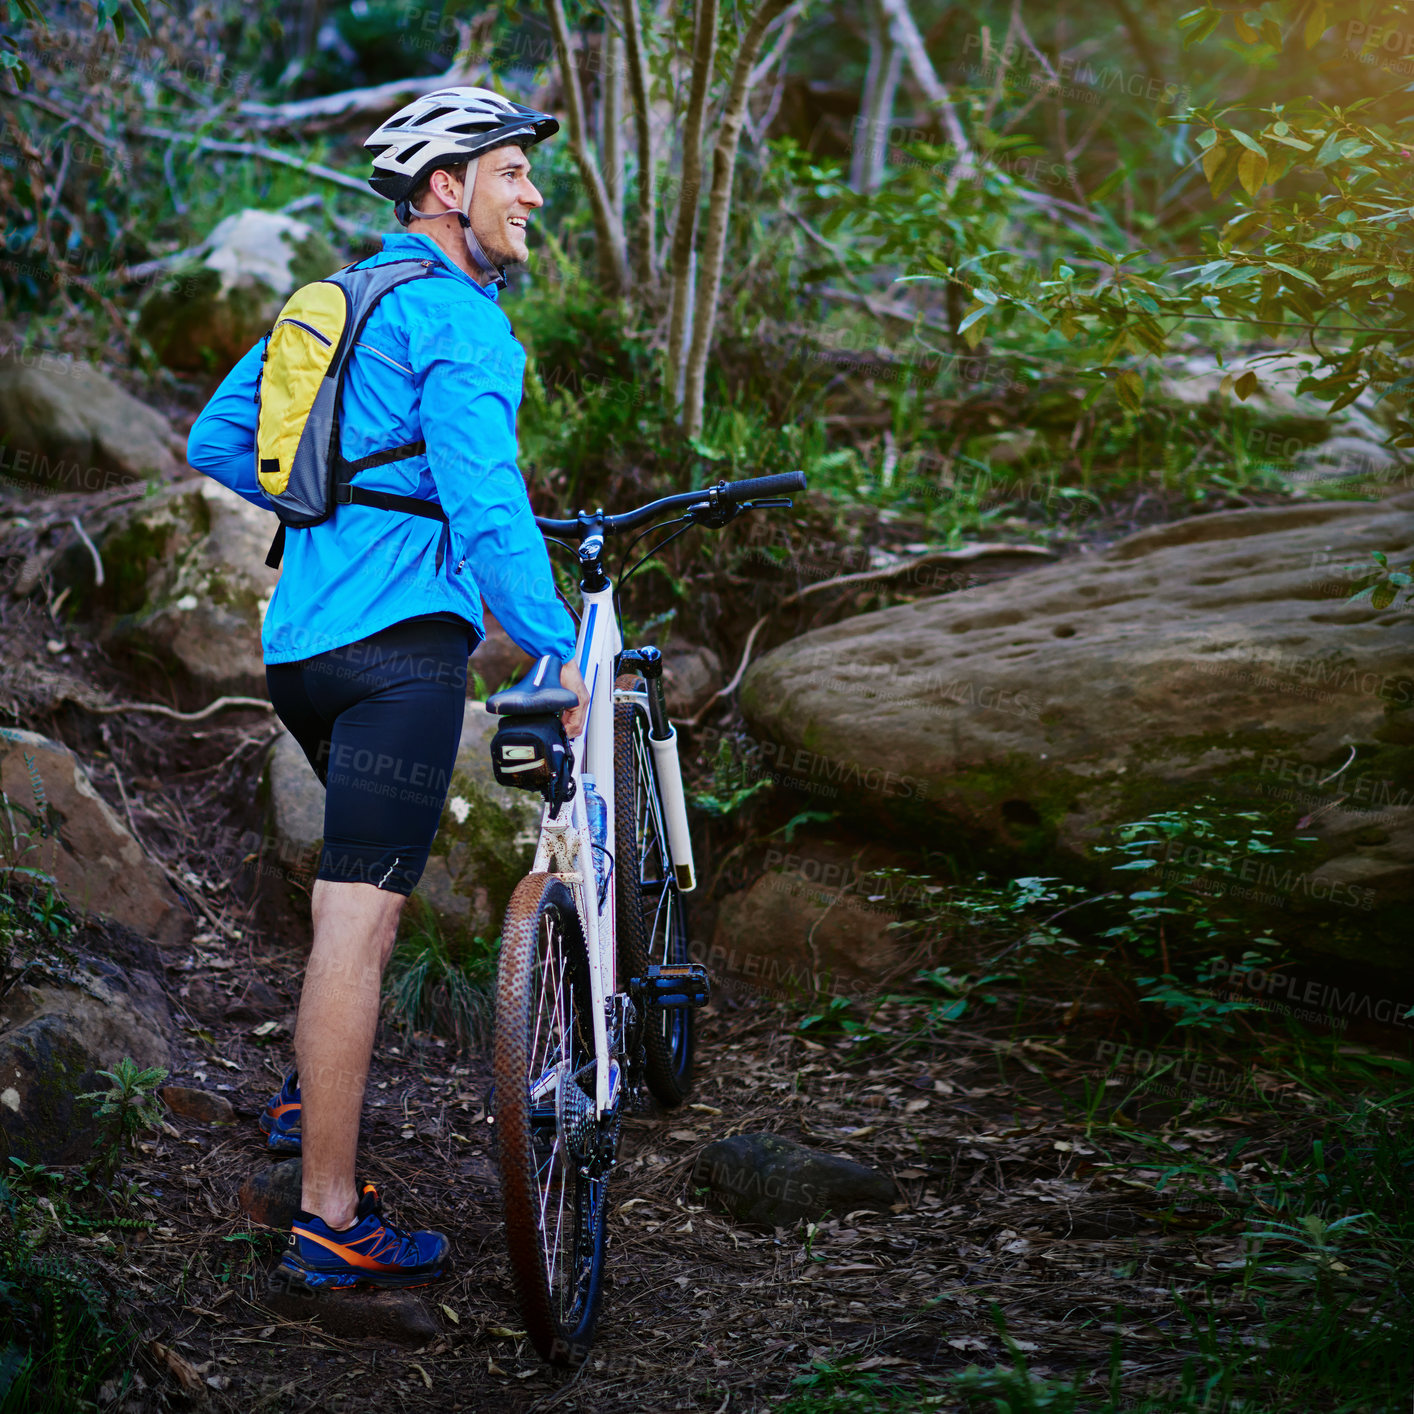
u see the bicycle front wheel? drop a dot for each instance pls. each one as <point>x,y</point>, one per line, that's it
<point>651,915</point>
<point>553,1186</point>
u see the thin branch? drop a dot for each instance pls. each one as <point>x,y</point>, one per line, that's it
<point>267,154</point>
<point>714,242</point>
<point>906,35</point>
<point>609,236</point>
<point>704,48</point>
<point>50,107</point>
<point>92,550</point>
<point>979,551</point>
<point>645,255</point>
<point>220,704</point>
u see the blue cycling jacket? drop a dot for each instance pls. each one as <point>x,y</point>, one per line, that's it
<point>437,361</point>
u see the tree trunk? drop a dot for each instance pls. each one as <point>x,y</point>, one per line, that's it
<point>611,117</point>
<point>877,104</point>
<point>704,48</point>
<point>608,231</point>
<point>906,36</point>
<point>714,243</point>
<point>645,255</point>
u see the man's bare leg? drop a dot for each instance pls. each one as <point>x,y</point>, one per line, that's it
<point>354,929</point>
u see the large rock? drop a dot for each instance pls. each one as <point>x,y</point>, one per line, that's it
<point>57,1031</point>
<point>815,922</point>
<point>185,580</point>
<point>1211,657</point>
<point>485,841</point>
<point>68,427</point>
<point>768,1181</point>
<point>498,659</point>
<point>691,674</point>
<point>207,313</point>
<point>58,826</point>
<point>1197,379</point>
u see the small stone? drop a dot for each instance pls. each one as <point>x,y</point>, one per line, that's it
<point>202,1001</point>
<point>768,1181</point>
<point>353,1315</point>
<point>200,1105</point>
<point>259,1001</point>
<point>272,1198</point>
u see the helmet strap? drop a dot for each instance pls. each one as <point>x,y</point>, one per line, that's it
<point>479,258</point>
<point>405,214</point>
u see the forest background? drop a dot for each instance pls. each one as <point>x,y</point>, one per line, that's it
<point>951,263</point>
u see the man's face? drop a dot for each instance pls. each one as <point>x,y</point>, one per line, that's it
<point>501,203</point>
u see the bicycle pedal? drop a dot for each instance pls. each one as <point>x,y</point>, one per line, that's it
<point>673,984</point>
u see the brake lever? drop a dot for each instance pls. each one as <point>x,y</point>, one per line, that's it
<point>718,516</point>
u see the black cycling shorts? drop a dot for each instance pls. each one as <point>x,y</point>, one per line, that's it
<point>380,721</point>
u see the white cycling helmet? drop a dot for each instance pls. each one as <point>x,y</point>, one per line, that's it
<point>439,129</point>
<point>450,125</point>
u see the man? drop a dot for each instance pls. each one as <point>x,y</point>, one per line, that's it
<point>367,635</point>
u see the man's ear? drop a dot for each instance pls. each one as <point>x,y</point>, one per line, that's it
<point>449,189</point>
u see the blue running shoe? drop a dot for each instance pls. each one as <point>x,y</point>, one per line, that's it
<point>370,1253</point>
<point>281,1118</point>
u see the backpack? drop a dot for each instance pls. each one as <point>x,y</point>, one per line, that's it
<point>299,460</point>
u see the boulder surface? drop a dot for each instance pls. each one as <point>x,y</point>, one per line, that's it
<point>58,826</point>
<point>68,427</point>
<point>57,1032</point>
<point>204,315</point>
<point>1213,657</point>
<point>185,580</point>
<point>768,1181</point>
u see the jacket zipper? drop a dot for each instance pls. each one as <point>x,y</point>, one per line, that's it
<point>308,329</point>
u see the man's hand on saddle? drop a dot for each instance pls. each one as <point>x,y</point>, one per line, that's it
<point>571,678</point>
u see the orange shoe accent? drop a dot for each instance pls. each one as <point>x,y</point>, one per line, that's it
<point>347,1254</point>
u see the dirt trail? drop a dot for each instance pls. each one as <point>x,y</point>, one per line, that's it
<point>1006,1203</point>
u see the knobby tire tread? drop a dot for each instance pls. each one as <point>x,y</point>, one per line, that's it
<point>514,1028</point>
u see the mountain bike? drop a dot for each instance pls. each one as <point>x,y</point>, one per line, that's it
<point>595,992</point>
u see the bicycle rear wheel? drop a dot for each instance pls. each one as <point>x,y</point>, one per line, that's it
<point>651,915</point>
<point>553,1186</point>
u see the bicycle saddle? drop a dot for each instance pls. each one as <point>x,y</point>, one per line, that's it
<point>537,693</point>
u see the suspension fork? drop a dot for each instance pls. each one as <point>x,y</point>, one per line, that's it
<point>663,742</point>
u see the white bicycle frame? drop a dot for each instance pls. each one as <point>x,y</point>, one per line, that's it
<point>564,843</point>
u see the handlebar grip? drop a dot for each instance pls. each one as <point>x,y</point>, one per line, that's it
<point>738,491</point>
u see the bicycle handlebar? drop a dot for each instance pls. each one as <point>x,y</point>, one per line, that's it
<point>710,498</point>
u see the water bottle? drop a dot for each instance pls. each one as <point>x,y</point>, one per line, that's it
<point>598,814</point>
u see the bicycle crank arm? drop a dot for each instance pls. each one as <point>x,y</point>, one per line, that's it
<point>679,984</point>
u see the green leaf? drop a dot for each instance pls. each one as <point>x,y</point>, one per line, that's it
<point>1250,143</point>
<point>1383,595</point>
<point>1294,273</point>
<point>1129,387</point>
<point>1138,864</point>
<point>1246,385</point>
<point>1315,24</point>
<point>972,317</point>
<point>1252,171</point>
